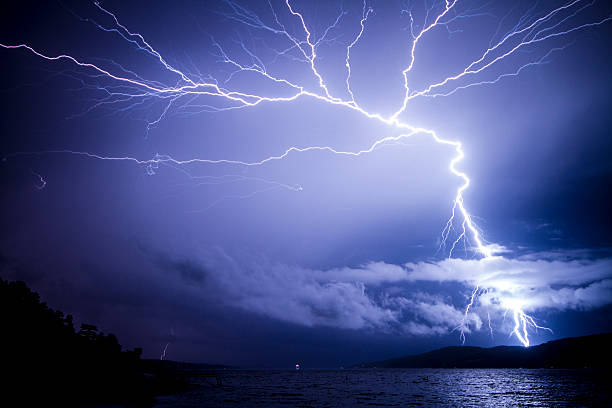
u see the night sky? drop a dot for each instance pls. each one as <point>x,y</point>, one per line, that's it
<point>314,257</point>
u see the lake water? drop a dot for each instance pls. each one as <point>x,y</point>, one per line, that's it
<point>398,388</point>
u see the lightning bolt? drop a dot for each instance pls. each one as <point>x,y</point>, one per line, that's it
<point>193,92</point>
<point>521,322</point>
<point>165,349</point>
<point>489,323</point>
<point>163,354</point>
<point>42,183</point>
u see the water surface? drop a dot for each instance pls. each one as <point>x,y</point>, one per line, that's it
<point>397,388</point>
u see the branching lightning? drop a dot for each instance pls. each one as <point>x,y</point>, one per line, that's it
<point>194,92</point>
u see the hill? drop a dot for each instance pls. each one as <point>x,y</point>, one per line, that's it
<point>575,352</point>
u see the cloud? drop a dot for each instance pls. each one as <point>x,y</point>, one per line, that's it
<point>430,314</point>
<point>388,297</point>
<point>371,297</point>
<point>190,271</point>
<point>534,282</point>
<point>299,295</point>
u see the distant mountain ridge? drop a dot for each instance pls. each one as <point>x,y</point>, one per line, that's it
<point>593,351</point>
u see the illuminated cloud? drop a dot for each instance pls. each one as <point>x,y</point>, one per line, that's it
<point>532,281</point>
<point>382,296</point>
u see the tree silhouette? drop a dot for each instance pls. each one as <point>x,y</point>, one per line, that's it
<point>43,352</point>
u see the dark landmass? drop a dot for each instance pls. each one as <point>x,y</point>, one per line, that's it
<point>575,352</point>
<point>46,362</point>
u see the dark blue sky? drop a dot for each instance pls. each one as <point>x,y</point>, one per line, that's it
<point>320,258</point>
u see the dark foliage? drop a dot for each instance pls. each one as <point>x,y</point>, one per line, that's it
<point>44,359</point>
<point>577,352</point>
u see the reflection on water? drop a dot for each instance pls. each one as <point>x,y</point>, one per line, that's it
<point>399,388</point>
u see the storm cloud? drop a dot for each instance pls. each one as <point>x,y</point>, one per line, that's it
<point>390,298</point>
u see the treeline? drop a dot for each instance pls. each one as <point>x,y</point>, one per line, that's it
<point>45,359</point>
